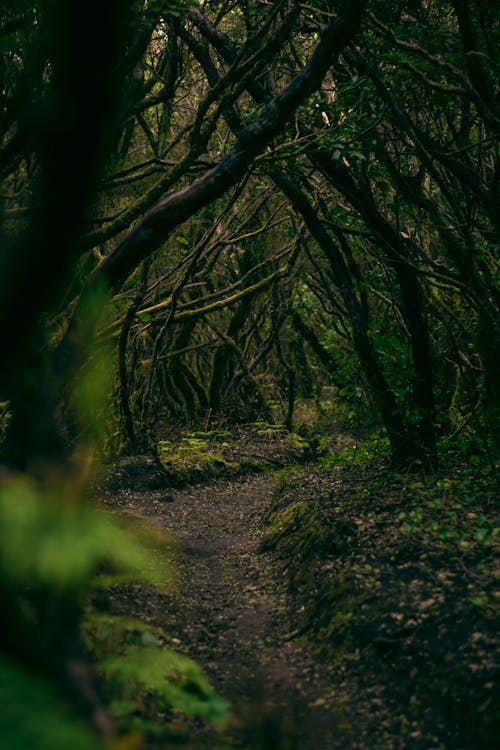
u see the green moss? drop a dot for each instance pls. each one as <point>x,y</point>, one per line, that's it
<point>265,428</point>
<point>334,608</point>
<point>142,676</point>
<point>201,456</point>
<point>283,523</point>
<point>193,459</point>
<point>310,543</point>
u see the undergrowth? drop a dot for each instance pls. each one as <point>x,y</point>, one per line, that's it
<point>394,573</point>
<point>143,678</point>
<point>56,553</point>
<point>202,456</point>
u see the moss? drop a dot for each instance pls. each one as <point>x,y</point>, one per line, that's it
<point>297,443</point>
<point>200,456</point>
<point>334,608</point>
<point>265,428</point>
<point>194,459</point>
<point>310,541</point>
<point>36,715</point>
<point>283,522</point>
<point>142,677</point>
<point>300,535</point>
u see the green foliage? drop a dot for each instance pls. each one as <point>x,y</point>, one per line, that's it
<point>173,680</point>
<point>93,385</point>
<point>54,550</point>
<point>194,457</point>
<point>372,447</point>
<point>446,507</point>
<point>51,542</point>
<point>137,670</point>
<point>468,444</point>
<point>34,715</point>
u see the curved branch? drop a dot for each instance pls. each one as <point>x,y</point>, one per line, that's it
<point>252,140</point>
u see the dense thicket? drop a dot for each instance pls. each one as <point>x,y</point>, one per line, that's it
<point>353,243</point>
<point>227,206</point>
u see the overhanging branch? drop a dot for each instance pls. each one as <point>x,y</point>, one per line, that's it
<point>181,205</point>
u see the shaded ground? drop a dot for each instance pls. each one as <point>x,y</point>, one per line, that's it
<point>398,578</point>
<point>232,613</point>
<point>368,622</point>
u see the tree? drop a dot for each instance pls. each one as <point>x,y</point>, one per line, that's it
<point>224,196</point>
<point>372,175</point>
<point>86,88</point>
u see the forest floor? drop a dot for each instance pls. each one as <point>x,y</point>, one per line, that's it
<point>321,603</point>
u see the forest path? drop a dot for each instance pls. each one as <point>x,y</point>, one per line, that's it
<point>413,667</point>
<point>232,615</point>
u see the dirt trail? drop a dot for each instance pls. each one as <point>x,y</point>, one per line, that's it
<point>412,625</point>
<point>232,615</point>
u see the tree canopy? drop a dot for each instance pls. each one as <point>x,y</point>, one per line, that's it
<point>304,188</point>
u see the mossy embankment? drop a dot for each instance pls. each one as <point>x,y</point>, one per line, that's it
<point>393,578</point>
<point>371,601</point>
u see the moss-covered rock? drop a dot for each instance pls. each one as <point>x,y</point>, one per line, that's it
<point>201,456</point>
<point>194,459</point>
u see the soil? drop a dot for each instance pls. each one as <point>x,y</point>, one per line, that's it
<point>233,613</point>
<point>239,613</point>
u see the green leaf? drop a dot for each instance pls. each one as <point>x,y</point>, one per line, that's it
<point>482,534</point>
<point>51,542</point>
<point>476,600</point>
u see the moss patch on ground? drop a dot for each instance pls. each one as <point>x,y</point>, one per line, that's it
<point>194,459</point>
<point>144,678</point>
<point>201,456</point>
